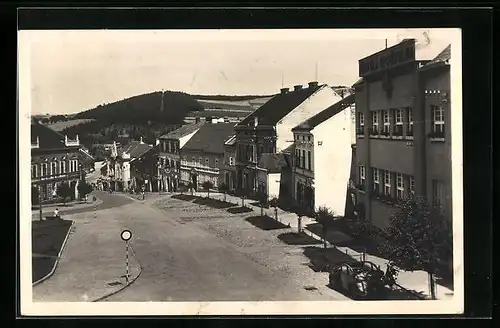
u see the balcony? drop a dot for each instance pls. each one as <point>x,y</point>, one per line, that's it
<point>436,136</point>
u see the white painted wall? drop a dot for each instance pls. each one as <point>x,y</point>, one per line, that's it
<point>273,185</point>
<point>317,102</point>
<point>183,140</point>
<point>332,161</point>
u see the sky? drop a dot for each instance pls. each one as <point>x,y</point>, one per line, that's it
<point>75,70</point>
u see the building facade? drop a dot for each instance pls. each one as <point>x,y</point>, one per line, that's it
<point>54,159</point>
<point>402,145</point>
<point>169,164</point>
<point>268,129</point>
<point>322,161</point>
<point>230,164</point>
<point>203,154</point>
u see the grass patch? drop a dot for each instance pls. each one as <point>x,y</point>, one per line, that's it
<point>47,240</point>
<point>184,197</point>
<point>215,203</point>
<point>239,210</point>
<point>294,238</point>
<point>266,223</point>
<point>323,260</point>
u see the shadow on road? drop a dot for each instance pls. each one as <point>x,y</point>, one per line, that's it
<point>265,222</point>
<point>294,238</point>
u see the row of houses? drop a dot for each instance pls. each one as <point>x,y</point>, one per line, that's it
<point>304,145</point>
<point>55,159</point>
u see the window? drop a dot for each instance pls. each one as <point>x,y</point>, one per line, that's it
<point>361,123</point>
<point>53,168</point>
<point>216,162</point>
<point>375,122</point>
<point>400,188</point>
<point>409,132</point>
<point>303,159</point>
<point>43,170</point>
<point>398,123</point>
<point>362,177</point>
<point>387,183</point>
<point>438,192</point>
<point>376,180</point>
<point>437,121</point>
<point>231,161</point>
<point>63,167</point>
<point>309,160</point>
<point>200,160</point>
<point>412,185</point>
<point>34,171</point>
<point>207,162</point>
<point>387,122</point>
<point>308,138</point>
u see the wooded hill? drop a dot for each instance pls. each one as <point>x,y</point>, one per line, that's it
<point>228,98</point>
<point>145,108</point>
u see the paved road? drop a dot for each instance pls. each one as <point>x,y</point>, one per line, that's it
<point>184,263</point>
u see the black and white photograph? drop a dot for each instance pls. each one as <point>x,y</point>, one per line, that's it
<point>240,172</point>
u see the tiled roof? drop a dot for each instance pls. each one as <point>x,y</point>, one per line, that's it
<point>210,138</point>
<point>290,149</point>
<point>182,131</point>
<point>272,162</point>
<point>443,58</point>
<point>48,138</point>
<point>322,116</point>
<point>279,106</point>
<point>136,149</point>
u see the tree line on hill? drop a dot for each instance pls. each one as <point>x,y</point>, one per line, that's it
<point>229,98</point>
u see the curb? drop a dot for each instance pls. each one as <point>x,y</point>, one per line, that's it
<point>100,298</point>
<point>63,246</point>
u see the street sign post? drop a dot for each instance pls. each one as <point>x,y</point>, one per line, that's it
<point>126,235</point>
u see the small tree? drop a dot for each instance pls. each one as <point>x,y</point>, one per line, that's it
<point>190,187</point>
<point>418,237</point>
<point>223,189</point>
<point>262,198</point>
<point>207,185</point>
<point>274,203</point>
<point>84,188</point>
<point>300,211</point>
<point>64,191</point>
<point>325,217</point>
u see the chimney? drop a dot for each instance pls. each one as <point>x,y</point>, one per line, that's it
<point>284,90</point>
<point>313,84</point>
<point>297,87</point>
<point>255,121</point>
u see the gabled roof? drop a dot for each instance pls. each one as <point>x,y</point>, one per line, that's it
<point>279,106</point>
<point>182,131</point>
<point>271,162</point>
<point>231,141</point>
<point>136,149</point>
<point>324,115</point>
<point>210,138</point>
<point>441,59</point>
<point>48,138</point>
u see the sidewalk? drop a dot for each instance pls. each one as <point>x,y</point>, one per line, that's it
<point>48,210</point>
<point>412,280</point>
<point>85,274</point>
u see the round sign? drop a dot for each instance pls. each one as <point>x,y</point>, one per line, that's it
<point>126,235</point>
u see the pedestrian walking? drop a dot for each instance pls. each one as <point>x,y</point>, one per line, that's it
<point>56,213</point>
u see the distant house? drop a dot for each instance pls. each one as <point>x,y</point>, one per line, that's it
<point>227,116</point>
<point>170,146</point>
<point>323,158</point>
<point>203,154</point>
<point>54,159</point>
<point>135,166</point>
<point>268,129</point>
<point>230,163</point>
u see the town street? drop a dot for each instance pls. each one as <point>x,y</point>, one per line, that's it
<point>182,261</point>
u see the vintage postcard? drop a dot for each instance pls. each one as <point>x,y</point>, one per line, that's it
<point>240,172</point>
